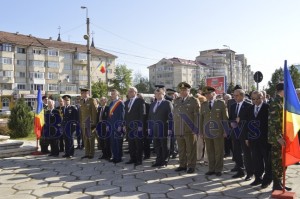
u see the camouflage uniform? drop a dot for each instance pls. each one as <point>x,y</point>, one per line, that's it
<point>275,132</point>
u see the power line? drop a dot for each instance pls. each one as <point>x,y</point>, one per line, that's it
<point>133,42</point>
<point>132,62</point>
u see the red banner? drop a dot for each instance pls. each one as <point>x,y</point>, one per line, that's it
<point>219,83</point>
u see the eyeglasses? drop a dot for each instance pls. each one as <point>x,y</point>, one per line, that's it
<point>256,98</point>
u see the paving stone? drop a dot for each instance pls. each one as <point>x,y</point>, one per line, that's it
<point>74,195</point>
<point>30,185</point>
<point>79,185</point>
<point>186,193</point>
<point>176,180</point>
<point>60,178</point>
<point>158,195</point>
<point>102,190</point>
<point>7,191</point>
<point>151,175</point>
<point>14,179</point>
<point>129,195</point>
<point>20,196</point>
<point>43,174</point>
<point>50,192</point>
<point>155,188</point>
<point>125,182</point>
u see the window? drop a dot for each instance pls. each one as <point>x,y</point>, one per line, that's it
<point>21,86</point>
<point>21,74</point>
<point>52,87</point>
<point>21,50</point>
<point>70,88</point>
<point>78,67</point>
<point>109,71</point>
<point>6,73</point>
<point>82,78</point>
<point>21,62</point>
<point>37,75</point>
<point>51,75</point>
<point>68,56</point>
<point>5,102</point>
<point>52,64</point>
<point>37,51</point>
<point>36,86</point>
<point>36,63</point>
<point>5,47</point>
<point>67,66</point>
<point>52,52</point>
<point>6,60</point>
<point>81,56</point>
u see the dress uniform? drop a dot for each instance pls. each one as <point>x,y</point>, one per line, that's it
<point>88,122</point>
<point>186,113</point>
<point>212,130</point>
<point>70,114</point>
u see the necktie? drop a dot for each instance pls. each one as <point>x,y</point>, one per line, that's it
<point>130,104</point>
<point>101,113</point>
<point>155,107</point>
<point>210,105</point>
<point>182,100</point>
<point>237,109</point>
<point>256,111</point>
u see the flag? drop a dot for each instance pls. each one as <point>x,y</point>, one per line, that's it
<point>39,116</point>
<point>102,67</point>
<point>291,120</point>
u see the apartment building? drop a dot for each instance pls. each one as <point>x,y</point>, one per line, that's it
<point>170,72</point>
<point>57,67</point>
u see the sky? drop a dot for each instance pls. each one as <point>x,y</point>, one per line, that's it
<point>140,32</point>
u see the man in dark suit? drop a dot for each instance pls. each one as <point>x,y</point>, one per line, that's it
<point>52,128</point>
<point>69,121</point>
<point>103,111</point>
<point>134,113</point>
<point>237,118</point>
<point>60,109</point>
<point>258,140</point>
<point>159,115</point>
<point>116,119</point>
<point>43,141</point>
<point>79,136</point>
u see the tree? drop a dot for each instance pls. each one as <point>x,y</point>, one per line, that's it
<point>277,77</point>
<point>122,79</point>
<point>20,122</point>
<point>99,89</point>
<point>143,85</point>
<point>230,88</point>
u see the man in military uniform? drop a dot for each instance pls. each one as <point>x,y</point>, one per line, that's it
<point>88,122</point>
<point>60,109</point>
<point>186,112</point>
<point>70,117</point>
<point>275,137</point>
<point>213,112</point>
<point>43,141</point>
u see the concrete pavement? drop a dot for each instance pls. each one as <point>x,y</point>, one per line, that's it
<point>49,177</point>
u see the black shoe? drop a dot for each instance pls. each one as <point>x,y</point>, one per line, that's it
<point>116,161</point>
<point>235,169</point>
<point>90,157</point>
<point>86,156</point>
<point>156,165</point>
<point>239,175</point>
<point>286,187</point>
<point>209,173</point>
<point>226,155</point>
<point>277,186</point>
<point>50,155</point>
<point>146,157</point>
<point>174,156</point>
<point>137,164</point>
<point>265,184</point>
<point>248,178</point>
<point>218,173</point>
<point>130,162</point>
<point>180,169</point>
<point>256,182</point>
<point>102,157</point>
<point>190,170</point>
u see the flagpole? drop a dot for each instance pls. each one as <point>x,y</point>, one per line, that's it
<point>283,149</point>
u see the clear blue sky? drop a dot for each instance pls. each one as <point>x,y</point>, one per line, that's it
<point>266,31</point>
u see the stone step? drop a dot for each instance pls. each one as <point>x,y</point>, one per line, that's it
<point>10,144</point>
<point>4,138</point>
<point>21,151</point>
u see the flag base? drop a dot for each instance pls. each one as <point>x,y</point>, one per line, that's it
<point>283,195</point>
<point>37,152</point>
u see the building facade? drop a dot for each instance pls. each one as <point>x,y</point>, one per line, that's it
<point>28,62</point>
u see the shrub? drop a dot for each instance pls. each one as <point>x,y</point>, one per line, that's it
<point>20,122</point>
<point>4,130</point>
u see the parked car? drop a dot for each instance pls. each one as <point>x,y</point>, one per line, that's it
<point>5,112</point>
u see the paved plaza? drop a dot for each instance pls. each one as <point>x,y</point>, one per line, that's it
<point>49,177</point>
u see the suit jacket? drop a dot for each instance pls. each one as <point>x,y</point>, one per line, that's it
<point>258,126</point>
<point>104,115</point>
<point>243,115</point>
<point>190,109</point>
<point>88,109</point>
<point>136,112</point>
<point>212,119</point>
<point>52,127</point>
<point>162,115</point>
<point>116,116</point>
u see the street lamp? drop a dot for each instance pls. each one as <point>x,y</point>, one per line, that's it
<point>88,48</point>
<point>230,63</point>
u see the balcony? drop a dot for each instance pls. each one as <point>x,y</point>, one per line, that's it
<point>6,67</point>
<point>80,61</point>
<point>33,80</point>
<point>9,80</point>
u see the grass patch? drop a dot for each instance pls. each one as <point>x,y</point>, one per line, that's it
<point>30,137</point>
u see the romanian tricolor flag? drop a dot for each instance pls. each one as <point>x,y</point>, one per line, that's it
<point>39,115</point>
<point>102,67</point>
<point>291,121</point>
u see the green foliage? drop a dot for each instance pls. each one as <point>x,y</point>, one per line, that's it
<point>230,88</point>
<point>277,77</point>
<point>99,89</point>
<point>20,121</point>
<point>4,130</point>
<point>122,79</point>
<point>143,86</point>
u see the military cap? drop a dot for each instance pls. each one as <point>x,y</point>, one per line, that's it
<point>84,89</point>
<point>183,85</point>
<point>169,90</point>
<point>159,86</point>
<point>279,87</point>
<point>208,89</point>
<point>66,97</point>
<point>237,87</point>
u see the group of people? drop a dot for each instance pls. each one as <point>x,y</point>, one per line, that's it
<point>194,127</point>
